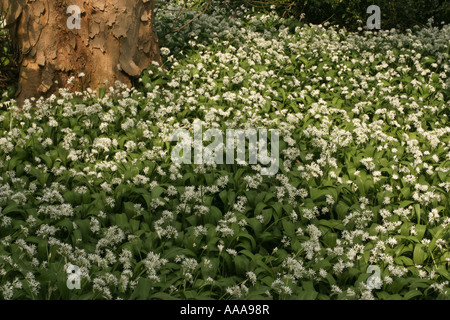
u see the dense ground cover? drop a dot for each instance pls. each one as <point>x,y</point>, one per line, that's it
<point>363,176</point>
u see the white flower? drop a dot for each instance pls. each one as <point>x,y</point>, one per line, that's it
<point>165,51</point>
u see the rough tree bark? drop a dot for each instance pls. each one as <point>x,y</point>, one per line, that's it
<point>116,41</point>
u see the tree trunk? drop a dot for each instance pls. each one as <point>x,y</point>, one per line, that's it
<point>115,41</point>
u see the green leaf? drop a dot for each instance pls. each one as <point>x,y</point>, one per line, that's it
<point>162,296</point>
<point>418,212</point>
<point>122,220</point>
<point>420,230</point>
<point>333,224</point>
<point>342,210</point>
<point>259,207</point>
<point>224,197</point>
<point>101,92</point>
<point>330,239</point>
<point>241,264</point>
<point>289,228</point>
<point>142,290</point>
<point>157,191</point>
<point>419,255</point>
<point>307,292</point>
<point>411,294</point>
<point>47,160</point>
<point>12,208</point>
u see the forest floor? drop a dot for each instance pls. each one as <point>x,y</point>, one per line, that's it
<point>362,183</point>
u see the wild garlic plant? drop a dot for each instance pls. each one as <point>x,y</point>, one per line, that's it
<point>363,178</point>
